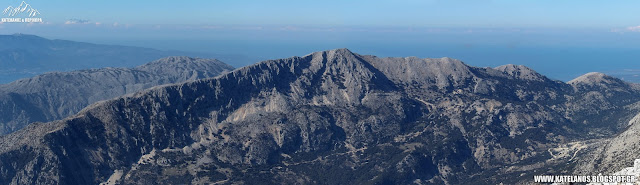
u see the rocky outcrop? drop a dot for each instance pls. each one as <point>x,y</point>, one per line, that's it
<point>331,117</point>
<point>57,95</point>
<point>521,72</point>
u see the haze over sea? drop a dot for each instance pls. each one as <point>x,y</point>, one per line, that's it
<point>561,55</point>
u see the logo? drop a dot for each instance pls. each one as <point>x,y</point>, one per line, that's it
<point>24,13</point>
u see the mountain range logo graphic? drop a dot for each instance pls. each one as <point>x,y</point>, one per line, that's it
<point>23,8</point>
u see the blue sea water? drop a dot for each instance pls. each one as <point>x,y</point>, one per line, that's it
<point>557,62</point>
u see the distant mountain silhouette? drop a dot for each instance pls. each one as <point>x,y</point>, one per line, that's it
<point>23,56</point>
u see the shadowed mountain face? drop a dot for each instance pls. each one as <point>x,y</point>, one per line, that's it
<point>331,117</point>
<point>23,56</point>
<point>56,95</point>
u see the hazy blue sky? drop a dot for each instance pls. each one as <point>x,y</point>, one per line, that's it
<point>223,19</point>
<point>447,13</point>
<point>547,35</point>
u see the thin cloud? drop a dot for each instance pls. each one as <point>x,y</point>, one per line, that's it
<point>633,29</point>
<point>627,29</point>
<point>77,21</point>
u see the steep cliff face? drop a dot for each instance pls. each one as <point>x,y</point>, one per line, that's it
<point>57,95</point>
<point>331,117</point>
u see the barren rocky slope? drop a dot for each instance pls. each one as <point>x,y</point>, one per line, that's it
<point>56,95</point>
<point>331,117</point>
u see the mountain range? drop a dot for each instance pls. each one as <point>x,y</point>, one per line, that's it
<point>25,56</point>
<point>56,95</point>
<point>337,117</point>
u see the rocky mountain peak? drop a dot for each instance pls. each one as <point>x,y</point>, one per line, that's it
<point>340,52</point>
<point>183,67</point>
<point>340,75</point>
<point>178,60</point>
<point>521,72</point>
<point>448,64</point>
<point>601,80</point>
<point>592,78</point>
<point>174,59</point>
<point>440,72</point>
<point>334,55</point>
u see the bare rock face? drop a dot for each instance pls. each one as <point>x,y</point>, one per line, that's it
<point>593,78</point>
<point>57,95</point>
<point>331,117</point>
<point>182,68</point>
<point>521,72</point>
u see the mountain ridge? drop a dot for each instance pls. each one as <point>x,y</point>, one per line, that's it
<point>55,95</point>
<point>328,117</point>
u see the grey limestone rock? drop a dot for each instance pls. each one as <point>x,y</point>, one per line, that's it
<point>330,117</point>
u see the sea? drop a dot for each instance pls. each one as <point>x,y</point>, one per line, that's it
<point>562,63</point>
